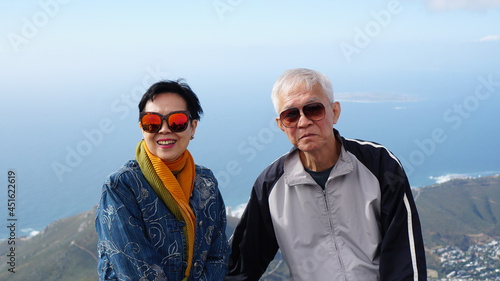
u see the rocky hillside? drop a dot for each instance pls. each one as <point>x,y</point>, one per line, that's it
<point>459,213</point>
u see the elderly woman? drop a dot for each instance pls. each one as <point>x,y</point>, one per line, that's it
<point>161,216</point>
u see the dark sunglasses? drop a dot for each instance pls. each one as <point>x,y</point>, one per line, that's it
<point>177,121</point>
<point>313,111</point>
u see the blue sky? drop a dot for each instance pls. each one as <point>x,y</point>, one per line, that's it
<point>73,69</point>
<point>72,43</point>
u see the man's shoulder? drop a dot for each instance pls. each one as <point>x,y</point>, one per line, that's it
<point>356,143</point>
<point>272,173</point>
<point>364,148</point>
<point>377,158</point>
<point>275,169</point>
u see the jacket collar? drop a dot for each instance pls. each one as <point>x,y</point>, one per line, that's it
<point>296,175</point>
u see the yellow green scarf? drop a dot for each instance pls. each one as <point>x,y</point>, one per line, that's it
<point>174,191</point>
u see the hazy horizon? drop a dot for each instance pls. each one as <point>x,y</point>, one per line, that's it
<point>421,78</point>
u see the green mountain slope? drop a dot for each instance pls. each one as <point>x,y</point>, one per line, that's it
<point>64,250</point>
<point>459,213</point>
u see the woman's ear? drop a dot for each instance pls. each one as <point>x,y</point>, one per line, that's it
<point>194,124</point>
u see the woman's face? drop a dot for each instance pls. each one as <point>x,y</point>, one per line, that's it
<point>168,145</point>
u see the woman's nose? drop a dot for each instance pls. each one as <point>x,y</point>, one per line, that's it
<point>164,127</point>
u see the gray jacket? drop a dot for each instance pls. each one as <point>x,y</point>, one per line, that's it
<point>362,226</point>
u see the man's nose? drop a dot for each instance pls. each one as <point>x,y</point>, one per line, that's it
<point>303,120</point>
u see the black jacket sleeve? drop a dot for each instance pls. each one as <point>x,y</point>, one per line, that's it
<point>402,254</point>
<point>254,242</point>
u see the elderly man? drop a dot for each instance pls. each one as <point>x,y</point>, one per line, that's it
<point>339,209</point>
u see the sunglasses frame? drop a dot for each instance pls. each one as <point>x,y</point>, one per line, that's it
<point>165,117</point>
<point>303,114</point>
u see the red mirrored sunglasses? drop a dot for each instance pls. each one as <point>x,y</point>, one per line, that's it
<point>177,121</point>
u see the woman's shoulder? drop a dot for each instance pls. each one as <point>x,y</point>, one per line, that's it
<point>204,177</point>
<point>129,171</point>
<point>203,171</point>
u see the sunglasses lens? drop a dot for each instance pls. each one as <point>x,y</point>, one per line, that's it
<point>178,122</point>
<point>151,123</point>
<point>314,111</point>
<point>290,117</point>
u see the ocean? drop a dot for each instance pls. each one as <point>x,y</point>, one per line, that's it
<point>60,164</point>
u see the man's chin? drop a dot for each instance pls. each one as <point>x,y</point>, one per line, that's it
<point>308,148</point>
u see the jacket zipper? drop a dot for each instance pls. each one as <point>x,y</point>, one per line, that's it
<point>333,235</point>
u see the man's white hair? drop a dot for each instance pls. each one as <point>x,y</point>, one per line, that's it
<point>300,77</point>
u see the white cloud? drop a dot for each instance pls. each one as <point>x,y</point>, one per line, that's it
<point>237,212</point>
<point>490,38</point>
<point>451,176</point>
<point>443,5</point>
<point>448,177</point>
<point>366,97</point>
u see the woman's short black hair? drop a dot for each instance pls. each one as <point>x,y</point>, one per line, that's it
<point>179,87</point>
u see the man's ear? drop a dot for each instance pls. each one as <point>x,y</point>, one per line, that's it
<point>336,111</point>
<point>278,122</point>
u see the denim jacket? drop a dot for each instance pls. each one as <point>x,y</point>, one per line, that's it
<point>140,239</point>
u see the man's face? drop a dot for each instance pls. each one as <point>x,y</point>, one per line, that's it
<point>309,135</point>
